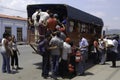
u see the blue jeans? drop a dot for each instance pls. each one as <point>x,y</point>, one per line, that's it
<point>80,66</point>
<point>103,57</point>
<point>6,62</point>
<point>54,64</point>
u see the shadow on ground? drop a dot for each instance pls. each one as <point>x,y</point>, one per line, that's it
<point>88,73</point>
<point>89,64</point>
<point>14,71</point>
<point>39,65</point>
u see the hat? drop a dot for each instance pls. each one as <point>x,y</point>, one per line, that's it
<point>67,40</point>
<point>55,15</point>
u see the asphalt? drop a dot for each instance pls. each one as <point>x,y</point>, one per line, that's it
<point>31,64</point>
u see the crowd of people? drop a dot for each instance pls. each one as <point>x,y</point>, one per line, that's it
<point>9,53</point>
<point>105,48</point>
<point>60,56</point>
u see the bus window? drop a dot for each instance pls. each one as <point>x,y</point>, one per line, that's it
<point>79,27</point>
<point>83,28</point>
<point>91,29</point>
<point>71,26</point>
<point>86,28</point>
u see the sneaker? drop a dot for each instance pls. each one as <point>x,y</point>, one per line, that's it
<point>54,77</point>
<point>113,66</point>
<point>81,74</point>
<point>19,68</point>
<point>9,72</point>
<point>45,76</point>
<point>13,67</point>
<point>4,71</point>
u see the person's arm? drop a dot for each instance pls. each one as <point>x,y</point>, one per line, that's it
<point>16,47</point>
<point>52,47</point>
<point>18,51</point>
<point>5,42</point>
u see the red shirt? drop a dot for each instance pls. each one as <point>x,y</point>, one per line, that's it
<point>51,23</point>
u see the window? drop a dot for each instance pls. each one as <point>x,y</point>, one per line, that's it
<point>19,34</point>
<point>91,28</point>
<point>79,27</point>
<point>83,28</point>
<point>71,26</point>
<point>86,28</point>
<point>8,30</point>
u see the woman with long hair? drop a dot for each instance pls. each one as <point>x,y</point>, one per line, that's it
<point>6,52</point>
<point>14,57</point>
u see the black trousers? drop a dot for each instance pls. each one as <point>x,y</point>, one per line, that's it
<point>113,57</point>
<point>63,68</point>
<point>14,58</point>
<point>95,58</point>
<point>45,64</point>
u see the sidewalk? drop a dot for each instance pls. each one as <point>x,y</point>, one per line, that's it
<point>101,72</point>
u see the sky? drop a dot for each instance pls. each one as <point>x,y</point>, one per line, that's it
<point>107,10</point>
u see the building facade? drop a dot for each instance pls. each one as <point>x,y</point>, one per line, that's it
<point>14,25</point>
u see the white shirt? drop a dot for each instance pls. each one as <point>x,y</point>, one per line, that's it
<point>83,43</point>
<point>115,42</point>
<point>3,45</point>
<point>14,46</point>
<point>43,16</point>
<point>101,44</point>
<point>34,16</point>
<point>66,50</point>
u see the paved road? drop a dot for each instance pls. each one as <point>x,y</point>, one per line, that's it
<point>31,64</point>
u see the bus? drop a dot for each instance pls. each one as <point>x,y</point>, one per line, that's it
<point>78,22</point>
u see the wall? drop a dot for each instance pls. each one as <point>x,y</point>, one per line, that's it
<point>14,24</point>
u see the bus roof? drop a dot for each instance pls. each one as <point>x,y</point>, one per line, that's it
<point>72,13</point>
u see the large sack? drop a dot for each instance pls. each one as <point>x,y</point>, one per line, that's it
<point>109,43</point>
